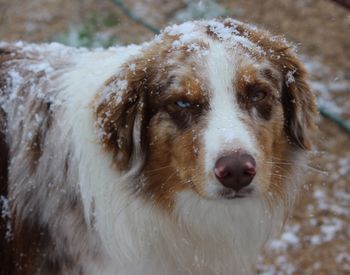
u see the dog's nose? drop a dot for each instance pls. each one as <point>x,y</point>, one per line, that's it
<point>235,170</point>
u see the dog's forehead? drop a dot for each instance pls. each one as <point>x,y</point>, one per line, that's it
<point>200,57</point>
<point>196,46</point>
<point>221,66</point>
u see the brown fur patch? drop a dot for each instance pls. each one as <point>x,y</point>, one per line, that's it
<point>118,111</point>
<point>254,91</point>
<point>116,120</point>
<point>34,250</point>
<point>8,53</point>
<point>174,134</point>
<point>173,162</point>
<point>41,109</point>
<point>299,106</point>
<point>211,33</point>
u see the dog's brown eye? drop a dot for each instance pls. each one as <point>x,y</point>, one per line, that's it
<point>257,95</point>
<point>183,104</point>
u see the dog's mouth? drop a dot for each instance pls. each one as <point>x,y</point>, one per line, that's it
<point>230,194</point>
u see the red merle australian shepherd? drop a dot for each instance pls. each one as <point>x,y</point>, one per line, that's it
<point>171,157</point>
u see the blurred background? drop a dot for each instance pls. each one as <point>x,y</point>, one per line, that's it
<point>316,240</point>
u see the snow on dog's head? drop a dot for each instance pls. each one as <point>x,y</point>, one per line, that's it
<point>215,107</point>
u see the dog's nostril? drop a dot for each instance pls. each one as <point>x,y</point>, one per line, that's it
<point>221,171</point>
<point>250,168</point>
<point>235,170</point>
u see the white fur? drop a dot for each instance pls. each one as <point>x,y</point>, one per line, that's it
<point>226,132</point>
<point>241,228</point>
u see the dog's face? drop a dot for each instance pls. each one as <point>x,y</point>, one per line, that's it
<point>218,108</point>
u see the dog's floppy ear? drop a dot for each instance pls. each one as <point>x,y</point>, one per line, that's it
<point>122,116</point>
<point>298,101</point>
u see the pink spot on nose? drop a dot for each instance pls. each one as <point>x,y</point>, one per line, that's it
<point>220,172</point>
<point>249,168</point>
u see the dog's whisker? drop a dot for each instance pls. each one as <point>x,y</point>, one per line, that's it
<point>307,166</point>
<point>157,169</point>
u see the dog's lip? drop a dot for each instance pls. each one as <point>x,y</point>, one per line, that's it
<point>235,196</point>
<point>230,194</point>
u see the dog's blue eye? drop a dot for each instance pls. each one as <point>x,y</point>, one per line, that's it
<point>183,104</point>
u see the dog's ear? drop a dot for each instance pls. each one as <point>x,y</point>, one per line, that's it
<point>298,101</point>
<point>122,116</point>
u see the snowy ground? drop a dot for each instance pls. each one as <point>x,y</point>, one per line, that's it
<point>316,240</point>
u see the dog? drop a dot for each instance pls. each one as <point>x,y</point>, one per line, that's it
<point>178,156</point>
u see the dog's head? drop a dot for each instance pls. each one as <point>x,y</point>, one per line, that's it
<point>216,107</point>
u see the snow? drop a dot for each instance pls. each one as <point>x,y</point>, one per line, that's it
<point>342,196</point>
<point>132,67</point>
<point>54,48</point>
<point>342,257</point>
<point>231,36</point>
<point>40,67</point>
<point>323,203</point>
<point>289,238</point>
<point>189,32</point>
<point>325,86</point>
<point>290,78</point>
<point>344,169</point>
<point>5,207</point>
<point>281,261</point>
<point>16,79</point>
<point>6,215</point>
<point>330,228</point>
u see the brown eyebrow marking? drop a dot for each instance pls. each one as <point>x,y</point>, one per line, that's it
<point>249,79</point>
<point>272,76</point>
<point>193,87</point>
<point>189,87</point>
<point>249,76</point>
<point>246,76</point>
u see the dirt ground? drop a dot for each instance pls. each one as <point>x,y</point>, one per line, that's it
<point>317,238</point>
